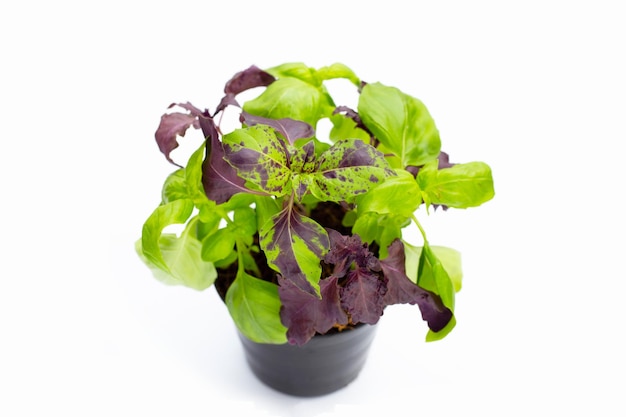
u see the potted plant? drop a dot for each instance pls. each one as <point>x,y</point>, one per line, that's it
<point>302,235</point>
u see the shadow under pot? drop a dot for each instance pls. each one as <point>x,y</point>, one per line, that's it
<point>323,365</point>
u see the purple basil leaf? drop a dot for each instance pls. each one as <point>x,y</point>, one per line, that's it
<point>401,290</point>
<point>348,250</point>
<point>249,78</point>
<point>304,314</point>
<point>352,114</point>
<point>173,125</point>
<point>219,178</point>
<point>242,81</point>
<point>362,296</point>
<point>291,129</point>
<point>227,100</point>
<point>444,160</point>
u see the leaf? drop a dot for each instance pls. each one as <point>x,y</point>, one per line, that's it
<point>218,245</point>
<point>187,183</point>
<point>305,314</point>
<point>173,125</point>
<point>297,70</point>
<point>175,212</point>
<point>291,98</point>
<point>450,259</point>
<point>174,187</point>
<point>347,252</point>
<point>176,260</point>
<point>338,70</point>
<point>348,168</point>
<point>294,245</point>
<point>311,75</point>
<point>398,195</point>
<point>219,178</point>
<point>255,308</point>
<point>433,336</point>
<point>362,296</point>
<point>251,77</point>
<point>244,80</point>
<point>459,186</point>
<point>291,129</point>
<point>259,157</point>
<point>345,128</point>
<point>381,228</point>
<point>401,290</point>
<point>432,276</point>
<point>402,123</point>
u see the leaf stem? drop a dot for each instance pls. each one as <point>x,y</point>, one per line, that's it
<point>419,226</point>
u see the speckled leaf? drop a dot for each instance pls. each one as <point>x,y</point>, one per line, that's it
<point>294,245</point>
<point>348,168</point>
<point>260,157</point>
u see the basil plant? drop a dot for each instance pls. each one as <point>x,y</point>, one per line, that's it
<point>302,234</point>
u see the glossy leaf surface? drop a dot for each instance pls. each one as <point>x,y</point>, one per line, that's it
<point>459,186</point>
<point>294,245</point>
<point>255,308</point>
<point>260,158</point>
<point>402,123</point>
<point>347,169</point>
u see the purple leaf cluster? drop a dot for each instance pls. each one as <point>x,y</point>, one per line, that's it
<point>357,291</point>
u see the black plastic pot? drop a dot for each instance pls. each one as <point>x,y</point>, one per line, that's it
<point>323,365</point>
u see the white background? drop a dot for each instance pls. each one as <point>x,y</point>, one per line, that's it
<point>534,88</point>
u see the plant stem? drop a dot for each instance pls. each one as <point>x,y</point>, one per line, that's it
<point>419,226</point>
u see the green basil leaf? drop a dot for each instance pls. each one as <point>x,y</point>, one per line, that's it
<point>338,70</point>
<point>176,260</point>
<point>254,306</point>
<point>397,195</point>
<point>218,246</point>
<point>175,212</point>
<point>450,259</point>
<point>460,186</point>
<point>432,276</point>
<point>244,219</point>
<point>381,228</point>
<point>402,123</point>
<point>297,70</point>
<point>291,98</point>
<point>174,187</point>
<point>345,128</point>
